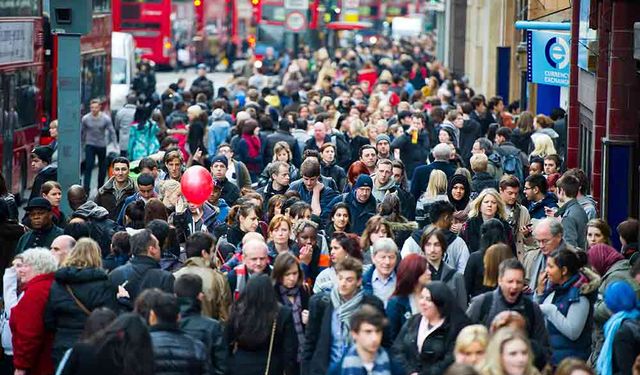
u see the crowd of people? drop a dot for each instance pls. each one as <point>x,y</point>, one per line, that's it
<point>371,214</point>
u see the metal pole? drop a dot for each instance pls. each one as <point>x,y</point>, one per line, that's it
<point>68,60</point>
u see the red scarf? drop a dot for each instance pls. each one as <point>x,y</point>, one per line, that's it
<point>253,142</point>
<point>56,211</point>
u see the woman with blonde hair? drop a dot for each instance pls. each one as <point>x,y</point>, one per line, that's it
<point>471,345</point>
<point>509,353</point>
<point>488,205</point>
<point>80,286</point>
<point>598,231</point>
<point>436,191</point>
<point>542,146</point>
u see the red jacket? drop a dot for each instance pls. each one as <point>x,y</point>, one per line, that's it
<point>31,342</point>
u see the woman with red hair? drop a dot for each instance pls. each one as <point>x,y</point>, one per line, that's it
<point>355,170</point>
<point>413,274</point>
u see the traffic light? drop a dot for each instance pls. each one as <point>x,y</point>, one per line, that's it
<point>257,10</point>
<point>71,17</point>
<point>197,3</point>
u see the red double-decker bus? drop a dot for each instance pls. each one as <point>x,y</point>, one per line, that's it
<point>28,75</point>
<point>149,22</point>
<point>22,88</point>
<point>158,27</point>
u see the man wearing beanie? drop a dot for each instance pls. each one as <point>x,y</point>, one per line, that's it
<point>41,165</point>
<point>362,204</point>
<point>383,146</point>
<point>230,192</point>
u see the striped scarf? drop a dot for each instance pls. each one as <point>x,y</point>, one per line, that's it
<point>352,364</point>
<point>296,308</point>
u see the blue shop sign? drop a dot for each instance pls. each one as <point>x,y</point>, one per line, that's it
<point>548,57</point>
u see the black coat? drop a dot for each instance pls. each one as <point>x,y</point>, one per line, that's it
<point>437,349</point>
<point>64,316</point>
<point>421,176</point>
<point>626,347</point>
<point>253,360</point>
<point>316,353</point>
<point>483,180</point>
<point>10,232</point>
<point>474,274</point>
<point>336,172</point>
<point>282,136</point>
<point>176,353</point>
<point>208,331</point>
<point>48,173</point>
<point>470,131</point>
<point>412,155</point>
<point>142,272</point>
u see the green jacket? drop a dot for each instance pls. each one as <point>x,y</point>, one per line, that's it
<point>37,238</point>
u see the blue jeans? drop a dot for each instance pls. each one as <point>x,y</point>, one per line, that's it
<point>90,153</point>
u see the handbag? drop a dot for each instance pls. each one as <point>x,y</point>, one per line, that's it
<point>273,333</point>
<point>77,301</point>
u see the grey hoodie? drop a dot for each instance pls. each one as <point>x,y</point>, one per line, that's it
<point>90,210</point>
<point>589,204</point>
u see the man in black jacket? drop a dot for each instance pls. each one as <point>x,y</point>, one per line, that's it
<point>230,191</point>
<point>143,270</point>
<point>45,171</point>
<point>421,174</point>
<point>188,289</point>
<point>174,352</point>
<point>278,182</point>
<point>330,310</point>
<point>282,134</point>
<point>202,84</point>
<point>481,179</point>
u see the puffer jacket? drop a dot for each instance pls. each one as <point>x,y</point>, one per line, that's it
<point>208,331</point>
<point>360,213</point>
<point>574,340</point>
<point>64,316</point>
<point>176,353</point>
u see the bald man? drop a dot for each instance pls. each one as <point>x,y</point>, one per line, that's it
<point>255,261</point>
<point>76,196</point>
<point>61,247</point>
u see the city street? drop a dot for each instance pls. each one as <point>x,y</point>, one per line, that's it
<point>164,79</point>
<point>386,187</point>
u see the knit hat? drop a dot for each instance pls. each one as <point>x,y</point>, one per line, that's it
<point>364,180</point>
<point>620,296</point>
<point>220,159</point>
<point>43,153</point>
<point>383,137</point>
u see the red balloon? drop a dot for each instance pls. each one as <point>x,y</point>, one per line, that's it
<point>196,184</point>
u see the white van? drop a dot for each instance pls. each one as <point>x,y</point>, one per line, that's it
<point>123,68</point>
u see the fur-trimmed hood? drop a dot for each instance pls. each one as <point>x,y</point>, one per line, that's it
<point>406,226</point>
